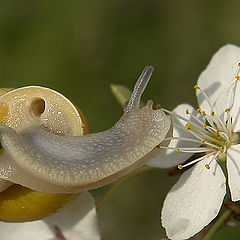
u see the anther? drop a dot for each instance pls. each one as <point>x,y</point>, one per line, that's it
<point>177,149</point>
<point>204,113</point>
<point>196,87</point>
<point>227,110</point>
<point>237,77</point>
<point>203,141</point>
<point>180,166</point>
<point>239,64</point>
<point>205,125</point>
<point>158,146</point>
<point>212,113</point>
<point>158,106</point>
<point>207,166</point>
<point>217,132</point>
<point>188,126</point>
<point>187,111</point>
<point>198,110</point>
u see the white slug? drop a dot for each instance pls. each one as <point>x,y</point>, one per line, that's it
<point>44,161</point>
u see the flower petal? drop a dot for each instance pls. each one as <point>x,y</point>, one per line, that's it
<point>169,158</point>
<point>194,201</point>
<point>36,230</point>
<point>216,79</point>
<point>235,111</point>
<point>78,221</point>
<point>233,168</point>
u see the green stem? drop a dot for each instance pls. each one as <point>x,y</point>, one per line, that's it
<point>218,224</point>
<point>118,185</point>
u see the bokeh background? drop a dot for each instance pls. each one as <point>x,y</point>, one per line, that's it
<point>80,47</point>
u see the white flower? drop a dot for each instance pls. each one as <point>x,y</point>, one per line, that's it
<point>213,132</point>
<point>77,222</point>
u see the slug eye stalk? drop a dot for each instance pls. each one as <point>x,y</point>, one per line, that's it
<point>44,161</point>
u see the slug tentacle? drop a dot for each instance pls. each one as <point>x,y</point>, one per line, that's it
<point>139,89</point>
<point>48,162</point>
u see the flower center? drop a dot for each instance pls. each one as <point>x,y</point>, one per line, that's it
<point>213,133</point>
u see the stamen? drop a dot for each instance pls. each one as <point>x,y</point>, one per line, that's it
<point>194,117</point>
<point>213,158</point>
<point>188,126</point>
<point>219,142</point>
<point>180,166</point>
<point>177,116</point>
<point>208,118</point>
<point>212,145</point>
<point>224,148</point>
<point>206,96</point>
<point>194,161</point>
<point>207,166</point>
<point>211,129</point>
<point>227,119</point>
<point>198,110</point>
<point>158,106</point>
<point>181,138</point>
<point>199,137</point>
<point>194,134</point>
<point>235,82</point>
<point>210,121</point>
<point>188,149</point>
<point>220,123</point>
<point>224,135</point>
<point>229,124</point>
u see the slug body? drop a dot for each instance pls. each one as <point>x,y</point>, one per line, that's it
<point>44,161</point>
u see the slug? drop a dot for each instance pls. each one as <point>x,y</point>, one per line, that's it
<point>46,162</point>
<point>36,106</point>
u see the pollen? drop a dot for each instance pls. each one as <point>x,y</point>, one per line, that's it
<point>188,126</point>
<point>237,77</point>
<point>205,125</point>
<point>227,110</point>
<point>207,166</point>
<point>180,166</point>
<point>158,106</point>
<point>212,113</point>
<point>187,111</point>
<point>204,113</point>
<point>196,87</point>
<point>198,110</point>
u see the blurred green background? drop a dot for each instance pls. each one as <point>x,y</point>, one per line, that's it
<point>80,47</point>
